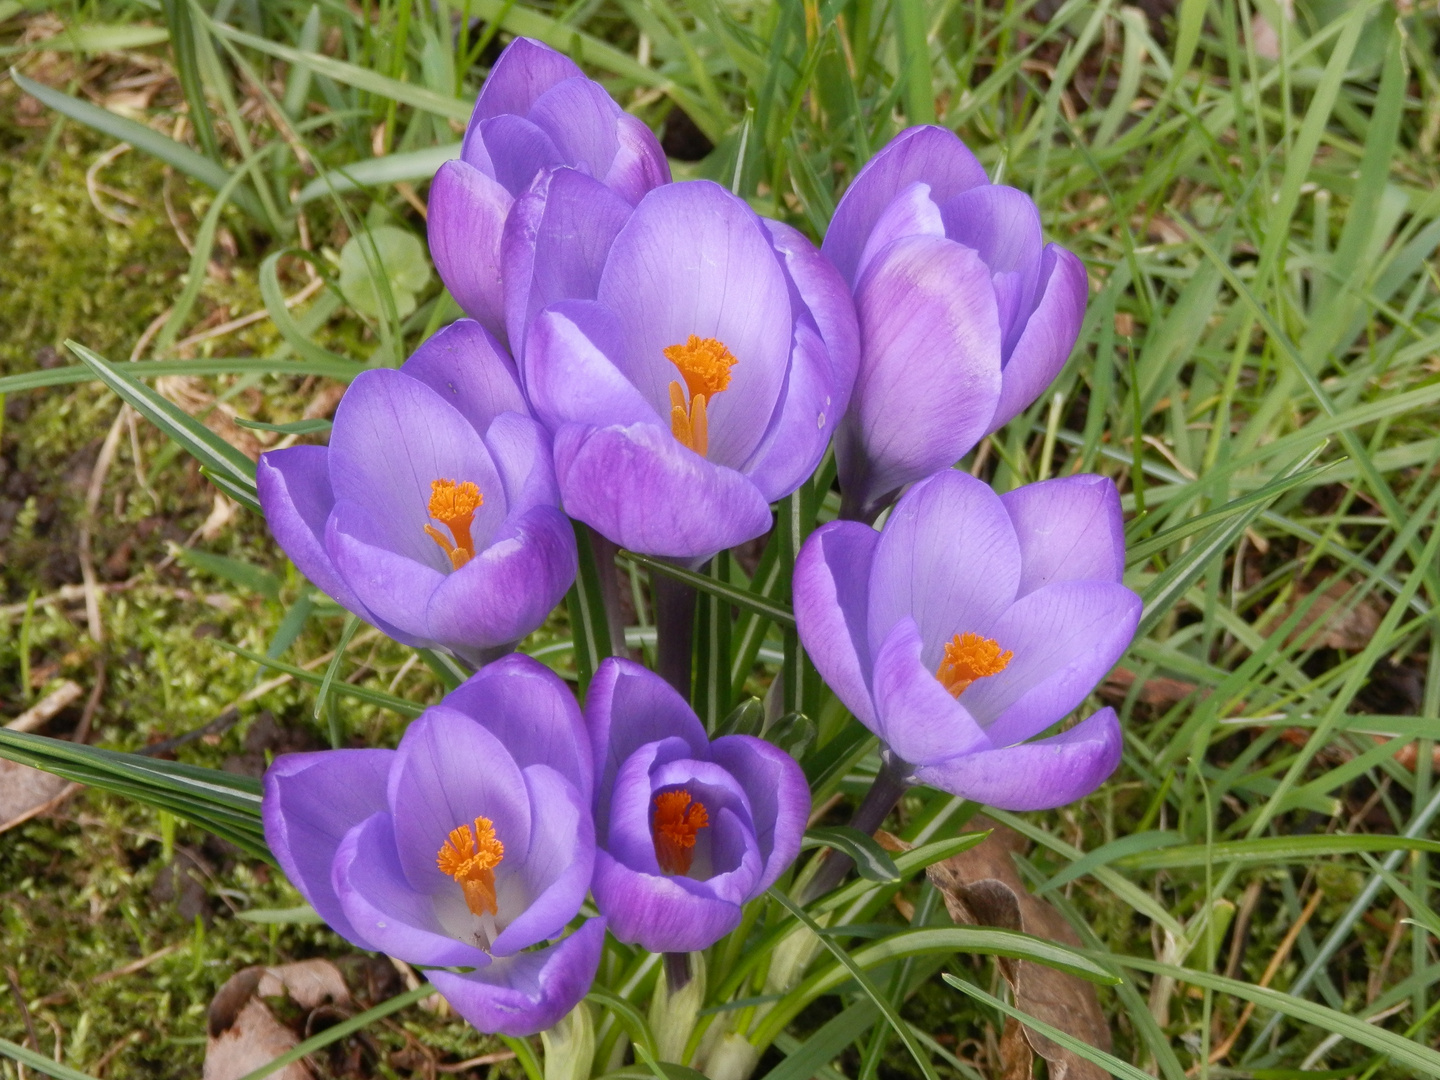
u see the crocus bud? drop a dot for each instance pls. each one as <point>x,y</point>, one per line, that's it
<point>971,623</point>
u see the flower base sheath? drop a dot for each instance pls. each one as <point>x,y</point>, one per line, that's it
<point>970,624</point>
<point>464,848</point>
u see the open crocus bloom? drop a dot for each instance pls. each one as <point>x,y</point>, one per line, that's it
<point>971,623</point>
<point>688,829</point>
<point>536,110</point>
<point>965,314</point>
<point>690,357</point>
<point>463,848</point>
<point>433,513</point>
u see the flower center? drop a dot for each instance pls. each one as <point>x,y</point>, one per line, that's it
<point>677,820</point>
<point>705,365</point>
<point>471,860</point>
<point>969,657</point>
<point>454,506</point>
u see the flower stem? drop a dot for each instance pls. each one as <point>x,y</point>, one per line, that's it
<point>883,796</point>
<point>677,970</point>
<point>674,631</point>
<point>605,550</point>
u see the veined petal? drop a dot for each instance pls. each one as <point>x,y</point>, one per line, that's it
<point>832,601</point>
<point>394,588</point>
<point>917,716</point>
<point>569,372</point>
<point>910,213</point>
<point>467,217</point>
<point>779,799</point>
<point>524,71</point>
<point>579,116</point>
<point>469,369</point>
<point>639,163</point>
<point>1003,225</point>
<point>624,820</point>
<point>657,912</point>
<point>520,448</point>
<point>800,429</point>
<point>518,150</point>
<point>1070,529</point>
<point>1035,775</point>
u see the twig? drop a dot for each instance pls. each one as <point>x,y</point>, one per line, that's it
<point>94,187</point>
<point>34,1040</point>
<point>475,1062</point>
<point>246,320</point>
<point>87,523</point>
<point>141,964</point>
<point>44,710</point>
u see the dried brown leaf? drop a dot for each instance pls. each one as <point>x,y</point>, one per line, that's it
<point>244,1034</point>
<point>1334,620</point>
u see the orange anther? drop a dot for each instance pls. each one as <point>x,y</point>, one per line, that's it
<point>677,820</point>
<point>969,657</point>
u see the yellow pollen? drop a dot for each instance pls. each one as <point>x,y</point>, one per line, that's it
<point>471,860</point>
<point>705,365</point>
<point>969,657</point>
<point>677,820</point>
<point>454,506</point>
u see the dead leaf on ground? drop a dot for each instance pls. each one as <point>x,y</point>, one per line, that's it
<point>981,887</point>
<point>1160,692</point>
<point>244,1034</point>
<point>25,792</point>
<point>1334,619</point>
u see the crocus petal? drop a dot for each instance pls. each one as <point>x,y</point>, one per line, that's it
<point>518,150</point>
<point>918,718</point>
<point>520,448</point>
<point>448,771</point>
<point>294,490</point>
<point>646,492</point>
<point>658,912</point>
<point>779,799</point>
<point>800,430</point>
<point>524,71</point>
<point>393,437</point>
<point>555,244</point>
<point>1003,225</point>
<point>558,864</point>
<point>579,116</point>
<point>1065,637</point>
<point>395,588</point>
<point>1048,337</point>
<point>1036,775</point>
<point>930,365</point>
<point>527,993</point>
<point>1070,529</point>
<point>507,590</point>
<point>627,706</point>
<point>388,914</point>
<point>530,709</point>
<point>832,597</point>
<point>911,213</point>
<point>949,558</point>
<point>311,801</point>
<point>929,154</point>
<point>639,163</point>
<point>466,366</point>
<point>569,374</point>
<point>624,820</point>
<point>467,219</point>
<point>694,259</point>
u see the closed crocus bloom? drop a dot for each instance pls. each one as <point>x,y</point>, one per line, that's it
<point>690,357</point>
<point>433,513</point>
<point>966,315</point>
<point>464,847</point>
<point>536,110</point>
<point>971,623</point>
<point>688,829</point>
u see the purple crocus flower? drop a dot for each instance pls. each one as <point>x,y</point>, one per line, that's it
<point>688,829</point>
<point>433,513</point>
<point>463,848</point>
<point>536,109</point>
<point>965,314</point>
<point>972,622</point>
<point>690,357</point>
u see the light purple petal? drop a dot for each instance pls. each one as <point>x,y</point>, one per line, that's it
<point>389,915</point>
<point>918,718</point>
<point>928,154</point>
<point>449,771</point>
<point>524,71</point>
<point>311,801</point>
<point>467,367</point>
<point>949,558</point>
<point>1037,775</point>
<point>929,368</point>
<point>533,713</point>
<point>832,600</point>
<point>570,376</point>
<point>558,864</point>
<point>467,219</point>
<point>518,151</point>
<point>395,588</point>
<point>639,163</point>
<point>624,819</point>
<point>520,448</point>
<point>658,912</point>
<point>507,590</point>
<point>1048,337</point>
<point>579,116</point>
<point>643,490</point>
<point>726,860</point>
<point>1070,529</point>
<point>555,244</point>
<point>1065,638</point>
<point>800,430</point>
<point>911,213</point>
<point>694,259</point>
<point>779,799</point>
<point>1003,225</point>
<point>527,993</point>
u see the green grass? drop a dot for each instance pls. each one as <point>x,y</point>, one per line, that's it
<point>1260,234</point>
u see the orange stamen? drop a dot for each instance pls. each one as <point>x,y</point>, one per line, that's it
<point>705,365</point>
<point>969,657</point>
<point>677,820</point>
<point>471,861</point>
<point>454,506</point>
